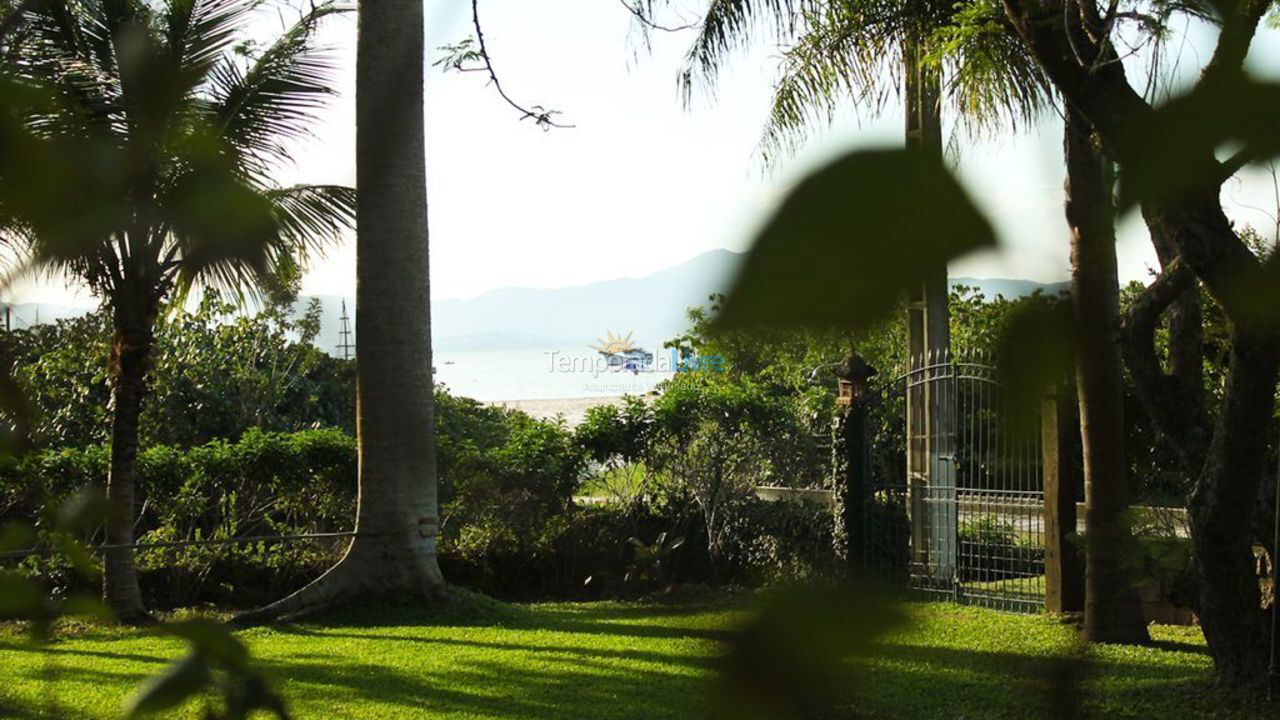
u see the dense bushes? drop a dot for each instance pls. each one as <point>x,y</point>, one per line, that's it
<point>263,484</point>
<point>512,529</point>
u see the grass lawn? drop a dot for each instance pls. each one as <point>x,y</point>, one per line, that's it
<point>613,660</point>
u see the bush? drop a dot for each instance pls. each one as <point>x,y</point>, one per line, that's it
<point>504,477</point>
<point>571,547</point>
<point>780,541</point>
<point>263,484</point>
<point>887,535</point>
<point>989,549</point>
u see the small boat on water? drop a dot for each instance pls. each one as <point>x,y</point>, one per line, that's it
<point>634,359</point>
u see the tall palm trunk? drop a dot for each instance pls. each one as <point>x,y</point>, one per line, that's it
<point>395,418</point>
<point>1112,612</point>
<point>130,357</point>
<point>393,555</point>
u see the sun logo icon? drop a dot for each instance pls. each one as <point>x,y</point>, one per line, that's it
<point>613,344</point>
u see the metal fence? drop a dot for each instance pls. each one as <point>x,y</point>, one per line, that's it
<point>955,503</point>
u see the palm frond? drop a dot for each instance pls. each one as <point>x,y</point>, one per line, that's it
<point>260,108</point>
<point>197,33</point>
<point>849,54</point>
<point>729,25</point>
<point>150,169</point>
<point>310,218</point>
<point>990,79</point>
<point>68,49</point>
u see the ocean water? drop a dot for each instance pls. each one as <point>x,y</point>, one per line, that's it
<point>543,375</point>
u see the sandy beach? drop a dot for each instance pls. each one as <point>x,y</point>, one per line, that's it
<point>574,410</point>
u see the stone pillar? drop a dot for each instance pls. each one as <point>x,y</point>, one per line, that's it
<point>850,447</point>
<point>1063,488</point>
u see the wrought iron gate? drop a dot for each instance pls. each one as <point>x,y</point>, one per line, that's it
<point>955,505</point>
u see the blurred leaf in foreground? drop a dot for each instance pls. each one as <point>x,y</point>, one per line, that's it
<point>218,661</point>
<point>792,660</point>
<point>851,237</point>
<point>1035,351</point>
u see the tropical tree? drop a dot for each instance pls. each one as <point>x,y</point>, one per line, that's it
<point>1169,168</point>
<point>1112,612</point>
<point>397,520</point>
<point>139,146</point>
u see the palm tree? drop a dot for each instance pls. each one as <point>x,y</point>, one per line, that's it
<point>1112,611</point>
<point>394,551</point>
<point>157,136</point>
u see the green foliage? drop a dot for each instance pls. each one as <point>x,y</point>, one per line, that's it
<point>263,484</point>
<point>614,435</point>
<point>217,373</point>
<point>988,530</point>
<point>651,566</point>
<point>61,369</point>
<point>780,542</point>
<point>162,143</point>
<point>992,550</point>
<point>502,476</point>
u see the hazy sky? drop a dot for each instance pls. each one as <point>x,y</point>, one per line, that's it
<point>642,183</point>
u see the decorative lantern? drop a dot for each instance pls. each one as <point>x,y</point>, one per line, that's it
<point>844,398</point>
<point>853,378</point>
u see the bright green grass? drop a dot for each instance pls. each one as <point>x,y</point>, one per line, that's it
<point>966,662</point>
<point>611,660</point>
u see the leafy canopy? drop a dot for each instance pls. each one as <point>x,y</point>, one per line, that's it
<point>138,143</point>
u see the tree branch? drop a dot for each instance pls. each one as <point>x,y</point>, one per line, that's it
<point>1235,164</point>
<point>643,17</point>
<point>1176,415</point>
<point>542,117</point>
<point>1238,30</point>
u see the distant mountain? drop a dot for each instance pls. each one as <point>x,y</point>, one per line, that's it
<point>1011,289</point>
<point>651,308</point>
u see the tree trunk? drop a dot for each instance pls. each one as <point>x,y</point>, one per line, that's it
<point>1221,513</point>
<point>1112,612</point>
<point>393,555</point>
<point>130,357</point>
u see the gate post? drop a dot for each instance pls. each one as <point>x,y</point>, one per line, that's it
<point>851,464</point>
<point>1063,481</point>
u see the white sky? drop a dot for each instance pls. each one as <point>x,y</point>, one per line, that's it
<point>642,183</point>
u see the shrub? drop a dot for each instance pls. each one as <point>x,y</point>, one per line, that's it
<point>263,484</point>
<point>887,537</point>
<point>780,541</point>
<point>989,549</point>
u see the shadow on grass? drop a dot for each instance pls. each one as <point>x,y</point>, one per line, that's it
<point>915,681</point>
<point>576,685</point>
<point>618,672</point>
<point>469,610</point>
<point>1179,646</point>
